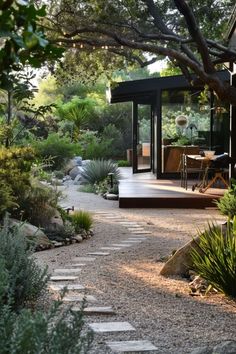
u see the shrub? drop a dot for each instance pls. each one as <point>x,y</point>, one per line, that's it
<point>105,187</point>
<point>25,280</point>
<point>123,163</point>
<point>87,188</point>
<point>215,258</point>
<point>82,220</point>
<point>227,204</point>
<point>15,166</point>
<point>39,203</point>
<point>97,170</point>
<point>54,332</point>
<point>59,148</point>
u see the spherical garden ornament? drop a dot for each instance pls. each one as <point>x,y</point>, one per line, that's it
<point>181,120</point>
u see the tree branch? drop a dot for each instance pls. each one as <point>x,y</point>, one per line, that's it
<point>196,34</point>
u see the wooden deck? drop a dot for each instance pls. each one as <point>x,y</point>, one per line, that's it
<point>143,190</point>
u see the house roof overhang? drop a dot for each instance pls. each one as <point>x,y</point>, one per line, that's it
<point>146,89</point>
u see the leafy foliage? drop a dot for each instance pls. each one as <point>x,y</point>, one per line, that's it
<point>81,220</point>
<point>97,170</point>
<point>52,332</point>
<point>56,147</point>
<point>39,203</point>
<point>215,258</point>
<point>15,166</point>
<point>24,280</point>
<point>22,39</point>
<point>227,203</point>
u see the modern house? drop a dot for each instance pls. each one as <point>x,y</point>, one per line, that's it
<point>171,118</point>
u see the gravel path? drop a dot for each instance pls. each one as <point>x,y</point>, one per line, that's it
<point>160,309</point>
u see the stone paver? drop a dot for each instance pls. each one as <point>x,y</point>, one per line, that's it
<point>140,346</point>
<point>68,270</point>
<point>132,241</point>
<point>98,253</point>
<point>142,232</point>
<point>137,229</point>
<point>63,277</point>
<point>79,298</point>
<point>104,327</point>
<point>110,248</point>
<point>83,259</point>
<point>76,265</point>
<point>93,310</point>
<point>121,244</point>
<point>58,287</point>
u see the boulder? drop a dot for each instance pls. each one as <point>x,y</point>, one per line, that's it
<point>32,233</point>
<point>225,347</point>
<point>78,179</point>
<point>110,196</point>
<point>55,222</point>
<point>180,263</point>
<point>75,171</point>
<point>78,160</point>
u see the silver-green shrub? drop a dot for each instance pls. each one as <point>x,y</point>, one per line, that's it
<point>51,332</point>
<point>24,280</point>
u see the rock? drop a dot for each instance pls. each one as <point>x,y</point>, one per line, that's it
<point>198,286</point>
<point>32,233</point>
<point>78,179</point>
<point>225,347</point>
<point>66,178</point>
<point>75,171</point>
<point>78,160</point>
<point>180,263</point>
<point>53,224</point>
<point>110,196</point>
<point>78,238</point>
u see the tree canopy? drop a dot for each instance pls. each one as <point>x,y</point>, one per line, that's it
<point>190,33</point>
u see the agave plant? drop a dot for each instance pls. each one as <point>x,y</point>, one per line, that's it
<point>215,258</point>
<point>97,170</point>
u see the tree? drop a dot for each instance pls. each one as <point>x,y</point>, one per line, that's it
<point>23,44</point>
<point>189,33</point>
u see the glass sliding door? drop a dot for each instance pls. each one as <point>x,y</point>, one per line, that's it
<point>142,137</point>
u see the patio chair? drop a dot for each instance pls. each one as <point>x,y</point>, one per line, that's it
<point>193,167</point>
<point>219,168</point>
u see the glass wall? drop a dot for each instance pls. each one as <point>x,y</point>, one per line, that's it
<point>186,126</point>
<point>143,137</point>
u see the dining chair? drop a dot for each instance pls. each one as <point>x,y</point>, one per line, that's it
<point>193,167</point>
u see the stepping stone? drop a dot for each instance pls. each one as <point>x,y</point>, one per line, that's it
<point>135,229</point>
<point>136,239</point>
<point>113,217</point>
<point>74,265</point>
<point>103,327</point>
<point>120,245</point>
<point>132,223</point>
<point>63,277</point>
<point>58,287</point>
<point>109,248</point>
<point>143,232</point>
<point>98,253</point>
<point>67,271</point>
<point>83,259</point>
<point>79,298</point>
<point>131,241</point>
<point>92,310</point>
<point>131,346</point>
